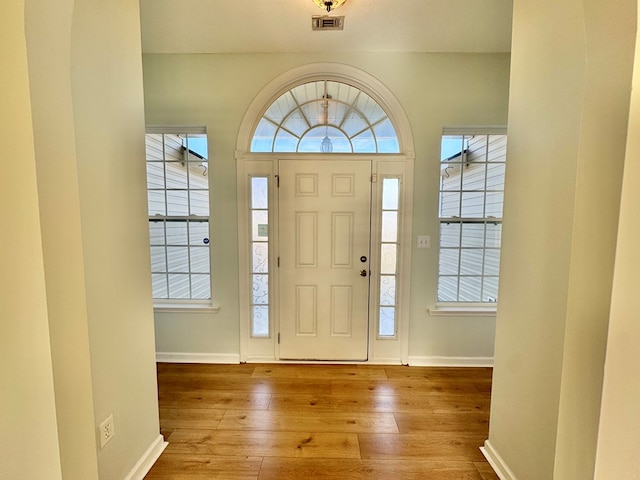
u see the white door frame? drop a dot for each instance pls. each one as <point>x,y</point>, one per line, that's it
<point>265,349</point>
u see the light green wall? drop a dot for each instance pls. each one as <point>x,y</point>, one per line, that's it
<point>106,83</point>
<point>216,90</point>
<point>619,439</point>
<point>54,141</point>
<point>570,86</point>
<point>79,343</point>
<point>27,404</point>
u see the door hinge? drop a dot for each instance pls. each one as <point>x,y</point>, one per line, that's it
<point>278,262</point>
<point>374,178</point>
<point>277,181</point>
<point>278,338</point>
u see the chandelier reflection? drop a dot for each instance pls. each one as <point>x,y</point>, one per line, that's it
<point>329,5</point>
<point>326,146</point>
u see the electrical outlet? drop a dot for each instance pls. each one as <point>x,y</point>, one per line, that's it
<point>106,431</point>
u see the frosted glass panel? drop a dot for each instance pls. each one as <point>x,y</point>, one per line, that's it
<point>260,321</point>
<point>259,192</point>
<point>260,257</point>
<point>389,226</point>
<point>390,191</point>
<point>387,290</point>
<point>388,259</point>
<point>260,289</point>
<point>387,324</point>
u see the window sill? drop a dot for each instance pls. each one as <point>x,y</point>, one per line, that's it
<point>463,310</point>
<point>186,307</point>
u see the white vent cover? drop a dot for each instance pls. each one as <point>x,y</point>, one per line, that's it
<point>326,22</point>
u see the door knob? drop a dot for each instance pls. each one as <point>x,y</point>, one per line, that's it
<point>363,273</point>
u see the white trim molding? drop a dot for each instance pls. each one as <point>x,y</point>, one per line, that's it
<point>435,361</point>
<point>497,462</point>
<point>462,310</point>
<point>142,466</point>
<point>184,357</point>
<point>185,308</point>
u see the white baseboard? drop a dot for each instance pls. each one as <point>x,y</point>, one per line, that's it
<point>496,462</point>
<point>450,361</point>
<point>178,357</point>
<point>142,467</point>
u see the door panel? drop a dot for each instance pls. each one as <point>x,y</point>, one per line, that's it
<point>324,230</point>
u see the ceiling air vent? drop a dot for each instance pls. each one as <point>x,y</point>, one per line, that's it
<point>327,23</point>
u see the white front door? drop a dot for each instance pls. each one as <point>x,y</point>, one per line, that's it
<point>324,238</point>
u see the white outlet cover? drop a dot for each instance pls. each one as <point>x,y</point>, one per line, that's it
<point>424,241</point>
<point>106,431</point>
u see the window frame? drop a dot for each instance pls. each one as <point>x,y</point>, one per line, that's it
<point>475,307</point>
<point>181,304</point>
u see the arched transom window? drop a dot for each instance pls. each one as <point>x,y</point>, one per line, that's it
<point>325,117</point>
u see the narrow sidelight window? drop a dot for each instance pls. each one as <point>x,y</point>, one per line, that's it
<point>259,215</point>
<point>389,245</point>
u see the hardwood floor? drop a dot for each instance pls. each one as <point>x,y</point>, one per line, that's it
<point>326,422</point>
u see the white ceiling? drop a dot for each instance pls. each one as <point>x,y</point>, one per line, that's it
<point>275,26</point>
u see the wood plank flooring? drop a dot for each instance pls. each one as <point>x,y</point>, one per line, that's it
<point>325,422</point>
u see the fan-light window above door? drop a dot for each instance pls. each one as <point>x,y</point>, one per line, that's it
<point>325,117</point>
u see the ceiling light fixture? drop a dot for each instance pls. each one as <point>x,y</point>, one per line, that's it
<point>329,5</point>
